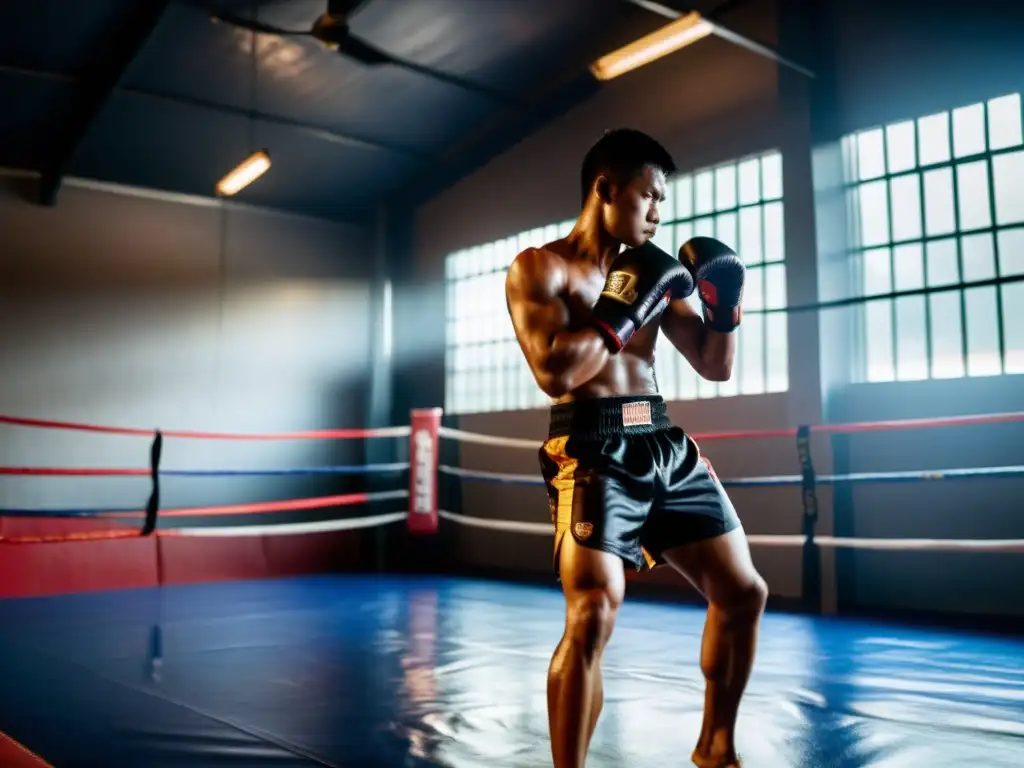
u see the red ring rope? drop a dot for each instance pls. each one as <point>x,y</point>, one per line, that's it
<point>74,472</point>
<point>263,507</point>
<point>340,434</point>
<point>315,434</point>
<point>870,426</point>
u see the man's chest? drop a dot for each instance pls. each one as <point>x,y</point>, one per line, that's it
<point>582,294</point>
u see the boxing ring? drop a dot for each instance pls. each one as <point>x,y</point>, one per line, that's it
<point>161,635</point>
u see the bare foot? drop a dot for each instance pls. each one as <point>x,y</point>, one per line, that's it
<point>728,760</point>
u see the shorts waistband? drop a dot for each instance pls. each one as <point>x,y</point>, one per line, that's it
<point>609,416</point>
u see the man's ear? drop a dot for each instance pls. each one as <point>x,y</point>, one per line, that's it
<point>603,187</point>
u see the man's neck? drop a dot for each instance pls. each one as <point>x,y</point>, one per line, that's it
<point>592,243</point>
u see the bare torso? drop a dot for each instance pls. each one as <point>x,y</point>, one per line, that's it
<point>631,371</point>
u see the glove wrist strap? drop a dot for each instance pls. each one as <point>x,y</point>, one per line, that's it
<point>722,319</point>
<point>615,338</point>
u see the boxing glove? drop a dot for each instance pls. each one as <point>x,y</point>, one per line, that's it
<point>718,273</point>
<point>637,282</point>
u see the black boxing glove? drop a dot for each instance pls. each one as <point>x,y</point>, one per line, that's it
<point>639,279</point>
<point>719,274</point>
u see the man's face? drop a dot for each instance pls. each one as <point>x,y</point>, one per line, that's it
<point>632,216</point>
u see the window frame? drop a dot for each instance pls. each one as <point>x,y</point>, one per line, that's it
<point>926,164</point>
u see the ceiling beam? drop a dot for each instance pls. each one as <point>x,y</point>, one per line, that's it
<point>724,32</point>
<point>344,139</point>
<point>324,134</point>
<point>99,80</point>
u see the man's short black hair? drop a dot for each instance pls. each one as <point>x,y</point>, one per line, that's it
<point>622,155</point>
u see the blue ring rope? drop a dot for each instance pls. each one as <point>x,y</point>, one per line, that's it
<point>777,480</point>
<point>69,512</point>
<point>910,476</point>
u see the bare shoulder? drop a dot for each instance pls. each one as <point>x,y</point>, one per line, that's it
<point>537,273</point>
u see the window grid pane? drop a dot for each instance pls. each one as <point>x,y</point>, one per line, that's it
<point>934,203</point>
<point>738,202</point>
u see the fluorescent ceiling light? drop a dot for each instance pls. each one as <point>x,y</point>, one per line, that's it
<point>245,174</point>
<point>668,39</point>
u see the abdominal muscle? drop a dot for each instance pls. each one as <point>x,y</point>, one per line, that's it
<point>625,374</point>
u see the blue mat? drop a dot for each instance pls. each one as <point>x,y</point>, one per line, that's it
<point>367,671</point>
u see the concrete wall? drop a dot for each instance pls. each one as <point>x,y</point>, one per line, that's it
<point>128,308</point>
<point>715,102</point>
<point>893,61</point>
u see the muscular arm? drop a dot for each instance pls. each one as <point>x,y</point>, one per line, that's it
<point>708,352</point>
<point>561,359</point>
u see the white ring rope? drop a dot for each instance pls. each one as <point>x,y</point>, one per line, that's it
<point>475,437</point>
<point>923,545</point>
<point>320,526</point>
<point>477,474</point>
<point>390,431</point>
<point>508,526</point>
<point>798,540</point>
<point>768,540</point>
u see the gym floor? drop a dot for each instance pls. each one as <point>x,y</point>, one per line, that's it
<point>371,671</point>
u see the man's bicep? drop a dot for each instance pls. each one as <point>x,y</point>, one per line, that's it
<point>536,309</point>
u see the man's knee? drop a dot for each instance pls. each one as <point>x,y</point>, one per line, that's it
<point>758,594</point>
<point>590,619</point>
<point>748,602</point>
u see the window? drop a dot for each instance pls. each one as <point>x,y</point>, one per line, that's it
<point>740,203</point>
<point>485,369</point>
<point>936,205</point>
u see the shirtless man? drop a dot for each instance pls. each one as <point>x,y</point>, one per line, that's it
<point>626,485</point>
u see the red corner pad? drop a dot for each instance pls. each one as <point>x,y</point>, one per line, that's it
<point>15,755</point>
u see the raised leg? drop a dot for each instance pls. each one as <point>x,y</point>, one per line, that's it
<point>722,570</point>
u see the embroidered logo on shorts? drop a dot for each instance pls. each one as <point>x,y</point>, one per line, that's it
<point>636,414</point>
<point>620,286</point>
<point>583,530</point>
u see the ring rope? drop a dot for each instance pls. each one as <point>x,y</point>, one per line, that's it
<point>359,469</point>
<point>775,480</point>
<point>477,438</point>
<point>497,477</point>
<point>215,531</point>
<point>315,434</point>
<point>320,526</point>
<point>797,540</point>
<point>259,507</point>
<point>290,505</point>
<point>72,512</point>
<point>509,442</point>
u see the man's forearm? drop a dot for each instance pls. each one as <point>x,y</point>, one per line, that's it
<point>717,353</point>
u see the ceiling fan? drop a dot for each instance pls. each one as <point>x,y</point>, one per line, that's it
<point>332,29</point>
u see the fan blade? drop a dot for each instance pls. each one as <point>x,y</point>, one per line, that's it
<point>366,53</point>
<point>344,8</point>
<point>254,26</point>
<point>363,52</point>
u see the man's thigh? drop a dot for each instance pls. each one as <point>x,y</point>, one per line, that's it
<point>692,507</point>
<point>720,568</point>
<point>586,570</point>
